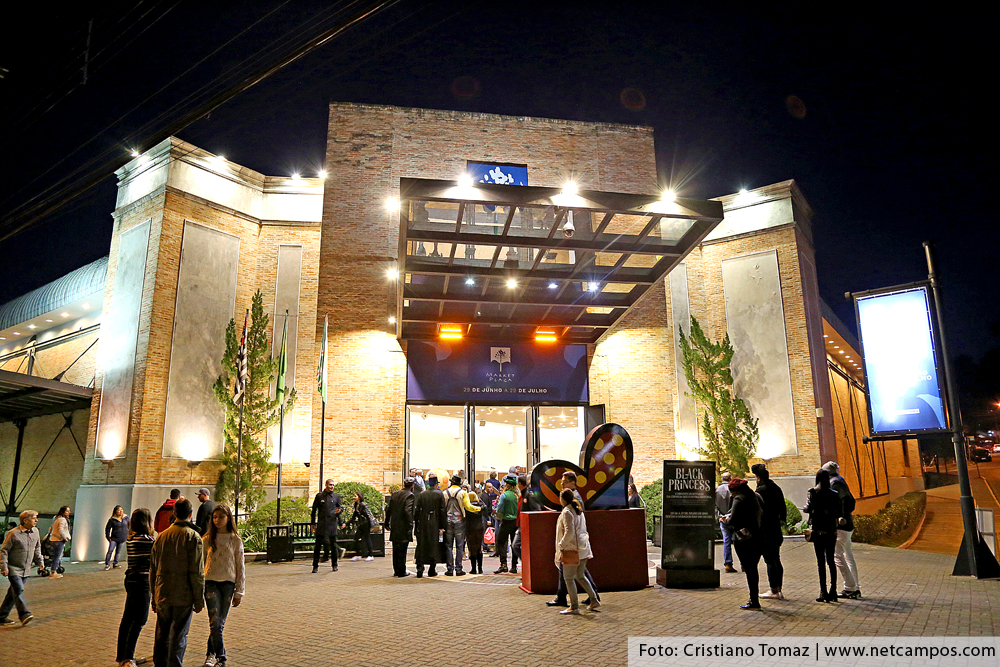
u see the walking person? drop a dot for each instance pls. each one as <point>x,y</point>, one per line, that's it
<point>774,516</point>
<point>362,521</point>
<point>723,505</point>
<point>475,527</point>
<point>506,514</point>
<point>399,521</point>
<point>569,484</point>
<point>116,532</point>
<point>205,510</point>
<point>824,509</point>
<point>325,521</point>
<point>139,547</point>
<point>165,514</point>
<point>429,524</point>
<point>177,583</point>
<point>573,552</point>
<point>456,506</point>
<point>844,553</point>
<point>224,578</point>
<point>744,520</point>
<point>58,537</point>
<point>22,547</point>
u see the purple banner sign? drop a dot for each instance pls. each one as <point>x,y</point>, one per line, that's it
<point>488,373</point>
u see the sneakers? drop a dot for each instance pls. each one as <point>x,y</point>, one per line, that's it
<point>730,568</point>
<point>127,663</point>
<point>501,570</point>
<point>570,612</point>
<point>5,622</point>
<point>513,569</point>
<point>116,566</point>
<point>55,575</point>
<point>210,660</point>
<point>315,570</point>
<point>369,559</point>
<point>556,603</point>
<point>750,605</point>
<point>850,595</point>
<point>107,567</point>
<point>594,606</point>
<point>335,568</point>
<point>772,595</point>
<point>356,559</point>
<point>26,619</point>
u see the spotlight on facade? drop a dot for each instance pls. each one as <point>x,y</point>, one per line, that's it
<point>392,274</point>
<point>296,176</point>
<point>668,196</point>
<point>743,192</point>
<point>134,153</point>
<point>392,204</point>
<point>392,319</point>
<point>465,181</point>
<point>570,188</point>
<point>321,173</point>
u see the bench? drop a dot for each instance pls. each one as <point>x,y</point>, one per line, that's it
<point>285,542</point>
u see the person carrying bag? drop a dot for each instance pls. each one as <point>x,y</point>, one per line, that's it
<point>573,551</point>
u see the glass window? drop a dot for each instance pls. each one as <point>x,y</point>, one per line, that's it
<point>560,432</point>
<point>436,437</point>
<point>501,439</point>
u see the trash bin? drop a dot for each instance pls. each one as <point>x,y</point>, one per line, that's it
<point>279,544</point>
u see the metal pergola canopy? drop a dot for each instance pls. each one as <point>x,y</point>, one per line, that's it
<point>26,396</point>
<point>494,262</point>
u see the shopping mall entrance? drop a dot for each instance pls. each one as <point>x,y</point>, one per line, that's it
<point>482,438</point>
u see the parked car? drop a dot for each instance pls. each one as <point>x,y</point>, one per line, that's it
<point>980,455</point>
<point>996,449</point>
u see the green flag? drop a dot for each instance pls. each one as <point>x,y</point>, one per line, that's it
<point>321,371</point>
<point>279,391</point>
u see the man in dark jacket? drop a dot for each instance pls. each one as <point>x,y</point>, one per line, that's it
<point>204,516</point>
<point>325,521</point>
<point>773,517</point>
<point>399,521</point>
<point>430,524</point>
<point>843,554</point>
<point>177,583</point>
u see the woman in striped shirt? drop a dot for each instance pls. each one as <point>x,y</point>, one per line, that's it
<point>138,547</point>
<point>224,578</point>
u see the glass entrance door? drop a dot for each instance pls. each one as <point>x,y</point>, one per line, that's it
<point>501,439</point>
<point>436,437</point>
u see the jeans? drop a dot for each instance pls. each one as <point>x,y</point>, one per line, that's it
<point>749,554</point>
<point>170,640</point>
<point>727,543</point>
<point>843,556</point>
<point>562,590</point>
<point>454,543</point>
<point>515,549</point>
<point>134,617</point>
<point>328,545</point>
<point>399,558</point>
<point>218,598</point>
<point>577,574</point>
<point>506,532</point>
<point>824,545</point>
<point>15,597</point>
<point>116,547</point>
<point>57,551</point>
<point>771,551</point>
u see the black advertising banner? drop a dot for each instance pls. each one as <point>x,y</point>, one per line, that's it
<point>688,519</point>
<point>474,372</point>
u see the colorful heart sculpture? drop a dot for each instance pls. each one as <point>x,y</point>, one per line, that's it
<point>601,477</point>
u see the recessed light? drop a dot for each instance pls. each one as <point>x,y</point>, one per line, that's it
<point>48,321</point>
<point>32,326</point>
<point>553,286</point>
<point>825,336</point>
<point>86,306</point>
<point>64,314</point>
<point>17,333</point>
<point>470,281</point>
<point>511,283</point>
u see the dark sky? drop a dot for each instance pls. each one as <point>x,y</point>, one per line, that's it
<point>889,144</point>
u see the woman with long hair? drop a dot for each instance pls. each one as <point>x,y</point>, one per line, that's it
<point>824,509</point>
<point>573,551</point>
<point>116,532</point>
<point>744,520</point>
<point>225,579</point>
<point>362,529</point>
<point>58,537</point>
<point>138,547</point>
<point>634,499</point>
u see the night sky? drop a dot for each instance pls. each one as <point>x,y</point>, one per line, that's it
<point>878,115</point>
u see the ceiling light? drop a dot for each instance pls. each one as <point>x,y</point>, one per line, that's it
<point>3,338</point>
<point>825,336</point>
<point>592,287</point>
<point>511,283</point>
<point>321,173</point>
<point>64,314</point>
<point>392,204</point>
<point>553,286</point>
<point>470,281</point>
<point>31,326</point>
<point>48,320</point>
<point>451,331</point>
<point>465,181</point>
<point>569,188</point>
<point>86,306</point>
<point>17,333</point>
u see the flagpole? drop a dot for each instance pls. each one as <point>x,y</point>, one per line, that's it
<point>322,424</point>
<point>282,366</point>
<point>322,383</point>
<point>239,456</point>
<point>281,435</point>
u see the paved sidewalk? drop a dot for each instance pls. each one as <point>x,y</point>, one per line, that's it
<point>362,616</point>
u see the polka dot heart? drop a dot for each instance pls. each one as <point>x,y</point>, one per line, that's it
<point>601,476</point>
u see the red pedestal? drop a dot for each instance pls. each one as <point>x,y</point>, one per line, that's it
<point>617,538</point>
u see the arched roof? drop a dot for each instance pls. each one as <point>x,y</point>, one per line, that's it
<point>88,279</point>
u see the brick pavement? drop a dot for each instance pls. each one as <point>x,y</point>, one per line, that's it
<point>362,616</point>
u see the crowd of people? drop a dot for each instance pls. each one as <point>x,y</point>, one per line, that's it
<point>751,521</point>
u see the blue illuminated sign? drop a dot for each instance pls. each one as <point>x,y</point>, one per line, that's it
<point>501,174</point>
<point>897,340</point>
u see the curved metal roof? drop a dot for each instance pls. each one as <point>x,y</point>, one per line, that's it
<point>88,279</point>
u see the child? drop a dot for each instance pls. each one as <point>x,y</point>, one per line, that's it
<point>224,578</point>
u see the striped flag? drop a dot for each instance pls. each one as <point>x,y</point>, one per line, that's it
<point>242,365</point>
<point>321,377</point>
<point>279,391</point>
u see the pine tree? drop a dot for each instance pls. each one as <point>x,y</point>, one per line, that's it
<point>728,428</point>
<point>260,411</point>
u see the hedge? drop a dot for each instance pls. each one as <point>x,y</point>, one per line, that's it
<point>894,520</point>
<point>254,529</point>
<point>652,495</point>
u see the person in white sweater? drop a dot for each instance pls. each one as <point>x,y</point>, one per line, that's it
<point>58,537</point>
<point>224,578</point>
<point>573,551</point>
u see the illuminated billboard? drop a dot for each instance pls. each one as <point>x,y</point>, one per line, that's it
<point>897,341</point>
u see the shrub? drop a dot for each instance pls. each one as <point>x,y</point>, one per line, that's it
<point>793,517</point>
<point>254,530</point>
<point>652,495</point>
<point>895,520</point>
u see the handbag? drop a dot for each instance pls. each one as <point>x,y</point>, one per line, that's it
<point>743,535</point>
<point>372,521</point>
<point>570,558</point>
